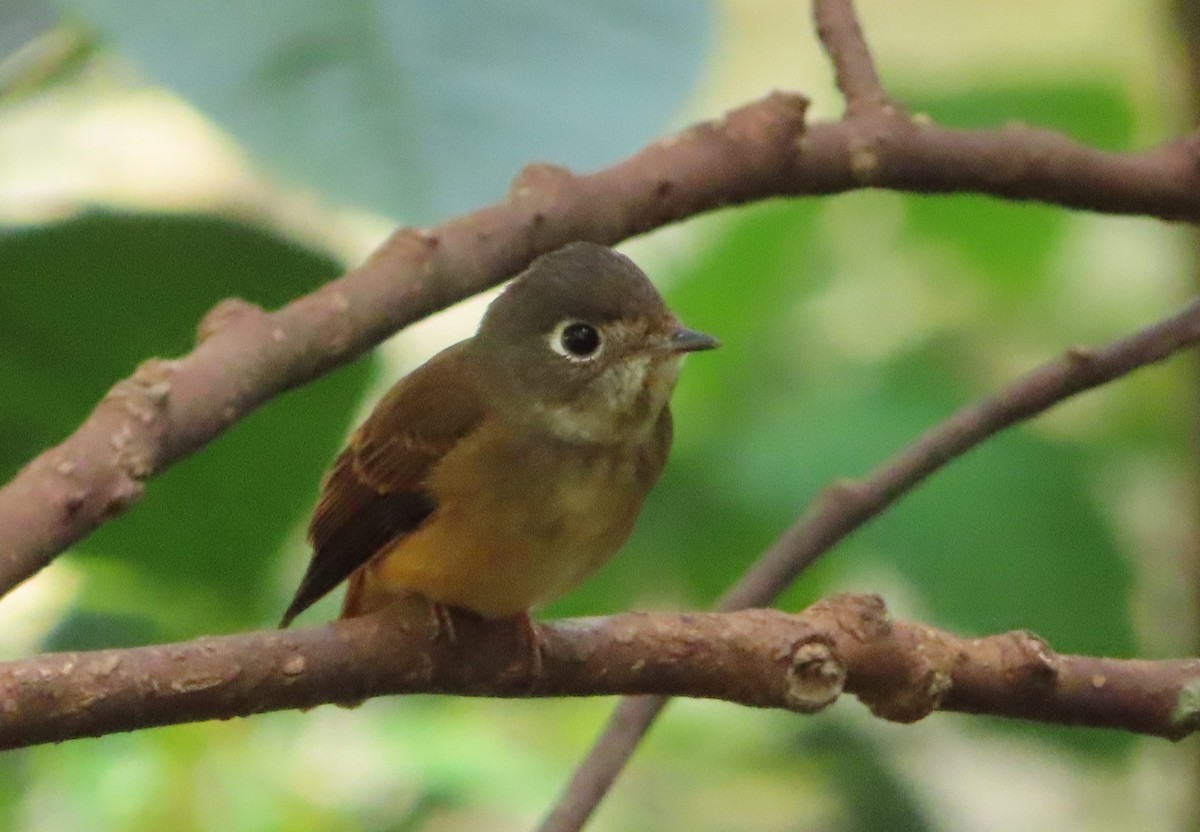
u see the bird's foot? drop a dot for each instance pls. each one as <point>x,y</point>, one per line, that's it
<point>534,638</point>
<point>443,622</point>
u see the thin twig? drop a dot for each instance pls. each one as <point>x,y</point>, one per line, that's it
<point>761,658</point>
<point>845,506</point>
<point>853,67</point>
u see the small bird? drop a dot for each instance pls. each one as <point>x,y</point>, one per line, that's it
<point>512,465</point>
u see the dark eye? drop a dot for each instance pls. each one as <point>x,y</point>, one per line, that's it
<point>579,339</point>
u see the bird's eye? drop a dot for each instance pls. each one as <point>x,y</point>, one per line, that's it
<point>577,340</point>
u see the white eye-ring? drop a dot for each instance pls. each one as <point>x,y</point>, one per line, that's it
<point>576,340</point>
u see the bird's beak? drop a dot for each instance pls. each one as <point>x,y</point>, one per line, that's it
<point>689,340</point>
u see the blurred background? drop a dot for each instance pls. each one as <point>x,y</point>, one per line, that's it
<point>156,158</point>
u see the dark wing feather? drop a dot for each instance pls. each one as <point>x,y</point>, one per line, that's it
<point>375,492</point>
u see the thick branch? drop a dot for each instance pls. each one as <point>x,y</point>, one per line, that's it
<point>246,356</point>
<point>761,658</point>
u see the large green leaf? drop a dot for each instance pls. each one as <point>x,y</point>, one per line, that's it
<point>81,303</point>
<point>426,108</point>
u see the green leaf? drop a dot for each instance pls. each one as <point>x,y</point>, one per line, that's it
<point>420,109</point>
<point>82,303</point>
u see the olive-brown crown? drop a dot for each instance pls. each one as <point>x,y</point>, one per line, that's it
<point>581,280</point>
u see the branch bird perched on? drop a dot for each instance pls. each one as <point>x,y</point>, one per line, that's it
<point>510,466</point>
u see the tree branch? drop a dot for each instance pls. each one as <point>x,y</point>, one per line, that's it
<point>762,658</point>
<point>839,31</point>
<point>169,409</point>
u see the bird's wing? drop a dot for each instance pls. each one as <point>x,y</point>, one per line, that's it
<point>375,491</point>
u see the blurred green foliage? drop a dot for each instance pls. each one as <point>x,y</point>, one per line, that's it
<point>22,20</point>
<point>84,302</point>
<point>875,796</point>
<point>850,326</point>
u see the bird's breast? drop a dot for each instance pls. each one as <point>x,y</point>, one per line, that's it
<point>522,518</point>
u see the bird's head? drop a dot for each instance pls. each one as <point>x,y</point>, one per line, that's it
<point>583,344</point>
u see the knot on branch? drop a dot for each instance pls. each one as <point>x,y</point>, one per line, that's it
<point>775,125</point>
<point>900,674</point>
<point>1031,662</point>
<point>864,162</point>
<point>226,313</point>
<point>139,405</point>
<point>541,179</point>
<point>412,246</point>
<point>1185,717</point>
<point>876,136</point>
<point>815,678</point>
<point>535,192</point>
<point>916,694</point>
<point>863,616</point>
<point>779,111</point>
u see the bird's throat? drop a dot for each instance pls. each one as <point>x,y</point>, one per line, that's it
<point>622,406</point>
